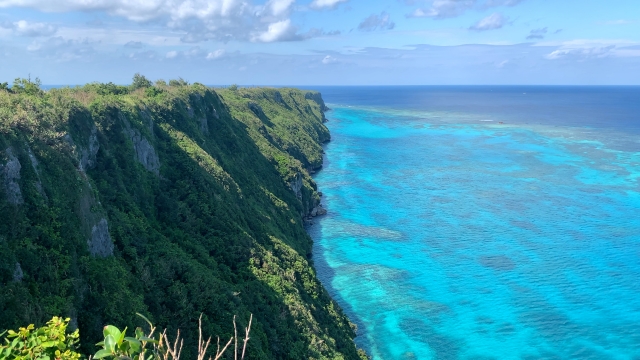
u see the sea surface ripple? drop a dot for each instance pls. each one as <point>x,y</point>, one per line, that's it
<point>453,237</point>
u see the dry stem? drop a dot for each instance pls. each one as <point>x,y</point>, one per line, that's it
<point>246,336</point>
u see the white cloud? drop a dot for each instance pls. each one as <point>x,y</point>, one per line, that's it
<point>329,60</point>
<point>278,31</point>
<point>442,9</point>
<point>198,20</point>
<point>491,22</point>
<point>375,22</point>
<point>493,3</point>
<point>172,54</point>
<point>215,54</point>
<point>617,22</point>
<point>325,4</point>
<point>134,44</point>
<point>538,34</point>
<point>581,53</point>
<point>25,28</point>
<point>279,7</point>
<point>62,50</point>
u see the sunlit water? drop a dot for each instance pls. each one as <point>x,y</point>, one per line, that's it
<point>453,236</point>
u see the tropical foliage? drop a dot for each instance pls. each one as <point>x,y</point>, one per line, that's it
<point>168,200</point>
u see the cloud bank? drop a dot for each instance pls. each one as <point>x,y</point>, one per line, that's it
<point>491,22</point>
<point>442,9</point>
<point>200,20</point>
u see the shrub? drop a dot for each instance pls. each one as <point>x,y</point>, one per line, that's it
<point>48,342</point>
<point>140,81</point>
<point>157,346</point>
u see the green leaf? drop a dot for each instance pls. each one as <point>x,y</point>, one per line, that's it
<point>145,319</point>
<point>122,336</point>
<point>110,343</point>
<point>134,344</point>
<point>48,344</point>
<point>101,354</point>
<point>113,331</point>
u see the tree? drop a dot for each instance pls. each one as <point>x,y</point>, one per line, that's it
<point>26,86</point>
<point>178,82</point>
<point>140,81</point>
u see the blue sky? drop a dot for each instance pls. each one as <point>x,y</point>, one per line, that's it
<point>323,42</point>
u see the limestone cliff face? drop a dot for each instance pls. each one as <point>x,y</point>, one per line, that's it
<point>297,156</point>
<point>11,177</point>
<point>172,202</point>
<point>144,152</point>
<point>100,243</point>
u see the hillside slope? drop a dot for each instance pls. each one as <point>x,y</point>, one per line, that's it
<point>169,201</point>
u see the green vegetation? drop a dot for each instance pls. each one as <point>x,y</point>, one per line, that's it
<point>170,201</point>
<point>53,341</point>
<point>48,342</point>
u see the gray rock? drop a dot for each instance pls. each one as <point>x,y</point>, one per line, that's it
<point>18,274</point>
<point>277,96</point>
<point>144,152</point>
<point>318,210</point>
<point>215,114</point>
<point>34,165</point>
<point>317,97</point>
<point>257,109</point>
<point>296,185</point>
<point>11,175</point>
<point>88,156</point>
<point>100,243</point>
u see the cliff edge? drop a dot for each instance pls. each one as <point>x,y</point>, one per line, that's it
<point>169,201</point>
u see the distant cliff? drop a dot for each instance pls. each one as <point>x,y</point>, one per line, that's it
<point>168,200</point>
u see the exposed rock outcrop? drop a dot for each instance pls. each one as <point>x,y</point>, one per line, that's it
<point>318,210</point>
<point>11,175</point>
<point>277,97</point>
<point>144,152</point>
<point>257,109</point>
<point>296,185</point>
<point>18,274</point>
<point>317,97</point>
<point>34,165</point>
<point>88,155</point>
<point>94,224</point>
<point>100,243</point>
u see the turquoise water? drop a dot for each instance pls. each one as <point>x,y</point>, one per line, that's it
<point>450,236</point>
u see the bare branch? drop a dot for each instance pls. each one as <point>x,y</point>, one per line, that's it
<point>246,336</point>
<point>220,353</point>
<point>202,347</point>
<point>174,351</point>
<point>235,332</point>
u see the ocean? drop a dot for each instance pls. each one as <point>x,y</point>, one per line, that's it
<point>484,222</point>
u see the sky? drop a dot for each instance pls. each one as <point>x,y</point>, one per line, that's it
<point>323,42</point>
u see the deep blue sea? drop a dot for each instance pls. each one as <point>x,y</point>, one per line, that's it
<point>484,222</point>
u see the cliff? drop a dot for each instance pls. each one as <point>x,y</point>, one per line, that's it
<point>169,201</point>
